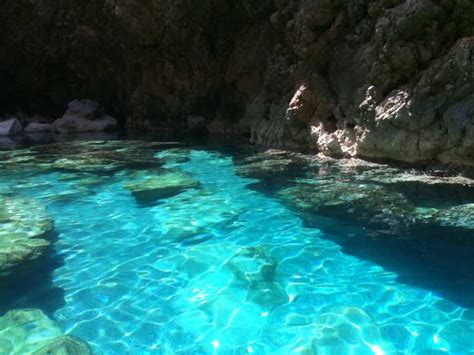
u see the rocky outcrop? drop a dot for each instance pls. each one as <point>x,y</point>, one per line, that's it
<point>11,127</point>
<point>152,186</point>
<point>39,128</point>
<point>84,116</point>
<point>81,116</point>
<point>389,79</point>
<point>374,195</point>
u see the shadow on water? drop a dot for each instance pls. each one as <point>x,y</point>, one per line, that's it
<point>31,286</point>
<point>429,256</point>
<point>437,196</point>
<point>435,258</point>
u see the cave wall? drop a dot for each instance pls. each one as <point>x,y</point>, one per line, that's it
<point>377,79</point>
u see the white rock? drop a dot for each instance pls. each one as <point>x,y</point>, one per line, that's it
<point>11,127</point>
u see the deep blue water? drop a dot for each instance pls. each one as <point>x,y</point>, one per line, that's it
<point>230,268</point>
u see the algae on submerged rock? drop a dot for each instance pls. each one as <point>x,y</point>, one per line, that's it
<point>461,216</point>
<point>159,185</point>
<point>24,225</point>
<point>30,331</point>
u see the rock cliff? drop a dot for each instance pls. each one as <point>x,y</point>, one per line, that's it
<point>370,78</point>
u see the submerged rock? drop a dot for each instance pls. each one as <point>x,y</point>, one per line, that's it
<point>90,157</point>
<point>30,331</point>
<point>24,225</point>
<point>374,205</point>
<point>252,264</point>
<point>11,127</point>
<point>256,269</point>
<point>269,163</point>
<point>160,184</point>
<point>174,156</point>
<point>88,163</point>
<point>193,218</point>
<point>458,216</point>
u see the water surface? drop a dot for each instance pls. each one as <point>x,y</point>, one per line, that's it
<point>232,266</point>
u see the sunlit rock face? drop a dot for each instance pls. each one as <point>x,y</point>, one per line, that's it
<point>375,79</point>
<point>30,331</point>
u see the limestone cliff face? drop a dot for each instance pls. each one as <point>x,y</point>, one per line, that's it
<point>370,78</point>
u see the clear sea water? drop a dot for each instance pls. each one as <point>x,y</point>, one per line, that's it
<point>230,268</point>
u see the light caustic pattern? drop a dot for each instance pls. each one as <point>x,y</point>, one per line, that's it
<point>221,268</point>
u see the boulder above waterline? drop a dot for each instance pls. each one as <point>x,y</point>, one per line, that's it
<point>11,127</point>
<point>84,116</point>
<point>39,128</point>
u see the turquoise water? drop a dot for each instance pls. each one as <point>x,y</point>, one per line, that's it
<point>229,268</point>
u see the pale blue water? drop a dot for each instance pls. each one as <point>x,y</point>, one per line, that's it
<point>227,269</point>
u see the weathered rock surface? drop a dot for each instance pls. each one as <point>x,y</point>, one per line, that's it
<point>30,331</point>
<point>382,198</point>
<point>11,127</point>
<point>376,79</point>
<point>84,116</point>
<point>39,128</point>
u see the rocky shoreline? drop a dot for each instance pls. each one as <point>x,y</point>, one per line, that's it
<point>81,116</point>
<point>386,79</point>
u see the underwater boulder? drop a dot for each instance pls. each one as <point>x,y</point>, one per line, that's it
<point>194,217</point>
<point>88,163</point>
<point>30,331</point>
<point>92,160</point>
<point>253,267</point>
<point>461,216</point>
<point>381,208</point>
<point>24,228</point>
<point>252,264</point>
<point>94,157</point>
<point>268,163</point>
<point>39,128</point>
<point>147,188</point>
<point>104,157</point>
